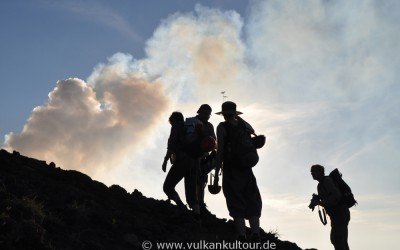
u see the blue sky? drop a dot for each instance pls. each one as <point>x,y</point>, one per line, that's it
<point>90,85</point>
<point>45,41</point>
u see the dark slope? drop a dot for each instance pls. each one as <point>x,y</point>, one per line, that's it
<point>45,207</point>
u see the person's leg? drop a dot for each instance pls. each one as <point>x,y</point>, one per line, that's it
<point>339,231</point>
<point>338,237</point>
<point>347,220</point>
<point>333,236</point>
<point>232,187</point>
<point>174,176</point>
<point>197,188</point>
<point>345,238</point>
<point>191,187</point>
<point>202,186</point>
<point>253,205</point>
<point>255,225</point>
<point>240,226</point>
<point>202,182</point>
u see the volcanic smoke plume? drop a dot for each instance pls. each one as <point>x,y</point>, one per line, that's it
<point>293,68</point>
<point>92,127</point>
<point>95,125</point>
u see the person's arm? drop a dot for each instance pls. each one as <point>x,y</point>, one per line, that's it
<point>212,131</point>
<point>165,162</point>
<point>214,152</point>
<point>331,195</point>
<point>172,146</point>
<point>221,134</point>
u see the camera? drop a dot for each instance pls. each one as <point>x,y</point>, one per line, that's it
<point>315,198</point>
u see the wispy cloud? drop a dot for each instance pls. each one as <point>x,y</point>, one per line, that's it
<point>97,12</point>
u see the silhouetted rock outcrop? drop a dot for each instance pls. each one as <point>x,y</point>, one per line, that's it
<point>45,207</point>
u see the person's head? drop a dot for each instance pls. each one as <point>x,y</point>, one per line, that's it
<point>317,172</point>
<point>204,112</point>
<point>229,110</point>
<point>228,117</point>
<point>176,117</point>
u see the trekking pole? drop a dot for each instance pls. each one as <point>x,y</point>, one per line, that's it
<point>322,217</point>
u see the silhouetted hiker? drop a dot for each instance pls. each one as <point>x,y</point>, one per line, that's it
<point>239,184</point>
<point>330,197</point>
<point>175,152</point>
<point>197,128</point>
<point>207,160</point>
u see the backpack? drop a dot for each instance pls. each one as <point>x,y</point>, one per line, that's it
<point>193,130</point>
<point>240,149</point>
<point>345,190</point>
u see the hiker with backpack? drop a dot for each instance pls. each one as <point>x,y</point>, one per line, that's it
<point>236,155</point>
<point>200,139</point>
<point>207,160</point>
<point>179,159</point>
<point>335,196</point>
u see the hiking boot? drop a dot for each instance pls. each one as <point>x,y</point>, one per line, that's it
<point>241,238</point>
<point>182,207</point>
<point>255,238</point>
<point>178,202</point>
<point>197,218</point>
<point>204,211</point>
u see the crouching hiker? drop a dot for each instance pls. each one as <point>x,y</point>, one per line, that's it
<point>335,196</point>
<point>236,157</point>
<point>175,153</point>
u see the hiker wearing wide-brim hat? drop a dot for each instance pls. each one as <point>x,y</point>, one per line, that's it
<point>229,108</point>
<point>239,184</point>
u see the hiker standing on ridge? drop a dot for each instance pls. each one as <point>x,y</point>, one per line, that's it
<point>197,129</point>
<point>239,184</point>
<point>207,159</point>
<point>330,197</point>
<point>179,159</point>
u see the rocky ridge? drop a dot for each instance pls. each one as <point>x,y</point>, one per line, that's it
<point>45,207</point>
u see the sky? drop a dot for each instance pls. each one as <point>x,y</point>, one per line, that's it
<point>90,85</point>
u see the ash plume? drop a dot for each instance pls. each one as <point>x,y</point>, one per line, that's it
<point>92,127</point>
<point>298,70</point>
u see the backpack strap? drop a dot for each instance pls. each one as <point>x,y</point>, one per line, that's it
<point>322,184</point>
<point>246,126</point>
<point>322,216</point>
<point>228,142</point>
<point>228,129</point>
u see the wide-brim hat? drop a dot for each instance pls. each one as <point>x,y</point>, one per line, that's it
<point>229,108</point>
